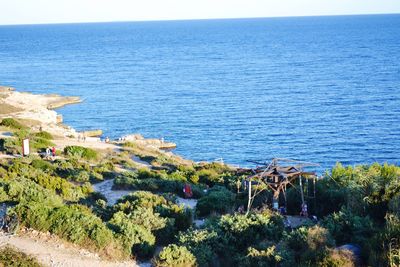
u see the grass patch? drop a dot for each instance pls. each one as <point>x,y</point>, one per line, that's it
<point>44,135</point>
<point>12,257</point>
<point>13,124</point>
<point>81,152</point>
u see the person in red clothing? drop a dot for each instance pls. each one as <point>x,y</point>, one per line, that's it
<point>53,151</point>
<point>187,190</point>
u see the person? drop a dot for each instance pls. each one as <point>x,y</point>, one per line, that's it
<point>47,152</point>
<point>304,210</point>
<point>53,151</point>
<point>187,190</point>
<point>241,209</point>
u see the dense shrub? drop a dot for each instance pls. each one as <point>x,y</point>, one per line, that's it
<point>56,184</point>
<point>182,218</point>
<point>44,135</point>
<point>14,258</point>
<point>268,257</point>
<point>218,199</point>
<point>135,230</point>
<point>132,182</point>
<point>209,176</point>
<point>81,152</point>
<point>384,247</point>
<point>203,244</point>
<point>366,190</point>
<point>23,190</point>
<point>137,223</point>
<point>103,170</point>
<point>346,227</point>
<point>12,123</point>
<point>74,223</point>
<point>309,244</point>
<point>338,258</point>
<point>175,256</point>
<point>38,143</point>
<point>11,146</point>
<point>242,231</point>
<point>43,165</point>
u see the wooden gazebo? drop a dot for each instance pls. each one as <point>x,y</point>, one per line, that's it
<point>277,175</point>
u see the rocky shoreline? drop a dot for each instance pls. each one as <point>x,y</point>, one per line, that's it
<point>37,111</point>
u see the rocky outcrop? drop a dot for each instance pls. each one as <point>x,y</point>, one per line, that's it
<point>156,143</point>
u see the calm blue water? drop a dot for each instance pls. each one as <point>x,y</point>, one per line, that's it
<point>321,89</point>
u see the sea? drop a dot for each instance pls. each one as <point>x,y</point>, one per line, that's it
<point>316,89</point>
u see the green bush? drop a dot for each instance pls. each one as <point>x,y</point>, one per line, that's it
<point>136,199</point>
<point>12,123</point>
<point>309,244</point>
<point>43,165</point>
<point>44,135</point>
<point>135,231</point>
<point>38,143</point>
<point>337,258</point>
<point>175,256</point>
<point>11,146</point>
<point>218,199</point>
<point>203,244</point>
<point>130,182</point>
<point>346,227</point>
<point>243,231</point>
<point>14,258</point>
<point>74,223</point>
<point>81,152</point>
<point>384,248</point>
<point>23,190</point>
<point>268,257</point>
<point>182,218</point>
<point>209,176</point>
<point>57,185</point>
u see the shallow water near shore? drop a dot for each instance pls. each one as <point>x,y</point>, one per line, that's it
<point>320,89</point>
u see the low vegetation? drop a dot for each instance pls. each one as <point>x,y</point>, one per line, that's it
<point>355,205</point>
<point>12,124</point>
<point>10,257</point>
<point>81,152</point>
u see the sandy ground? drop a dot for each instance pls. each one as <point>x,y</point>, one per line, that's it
<point>141,163</point>
<point>297,221</point>
<point>187,203</point>
<point>111,195</point>
<point>52,252</point>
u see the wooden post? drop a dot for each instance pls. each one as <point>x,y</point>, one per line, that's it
<point>25,147</point>
<point>301,189</point>
<point>275,200</point>
<point>249,201</point>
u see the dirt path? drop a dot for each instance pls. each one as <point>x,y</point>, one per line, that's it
<point>297,221</point>
<point>111,195</point>
<point>61,143</point>
<point>55,253</point>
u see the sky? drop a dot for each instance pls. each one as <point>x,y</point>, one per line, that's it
<point>68,11</point>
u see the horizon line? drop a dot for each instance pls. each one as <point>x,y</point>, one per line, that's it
<point>197,19</point>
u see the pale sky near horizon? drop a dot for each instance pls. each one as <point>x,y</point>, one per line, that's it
<point>67,11</point>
